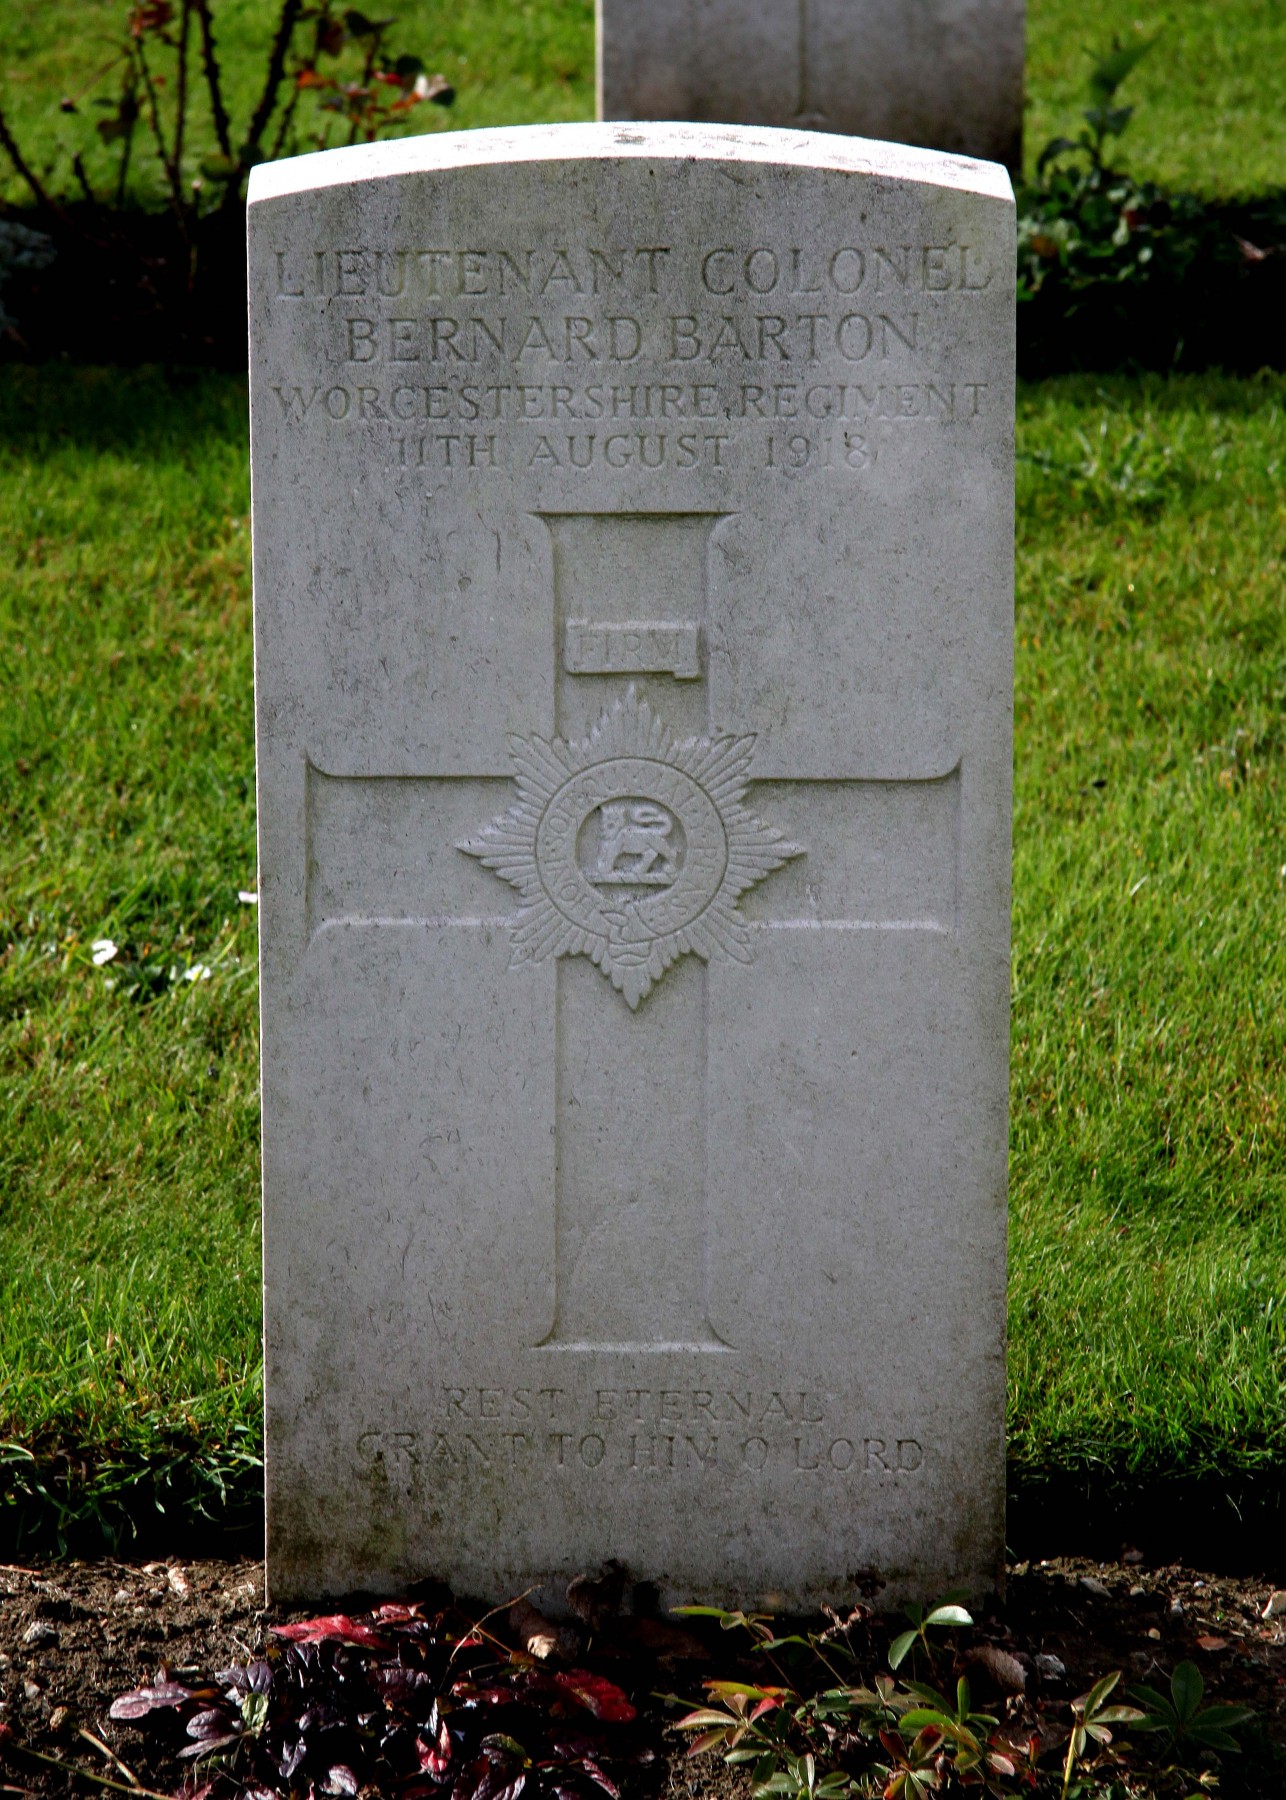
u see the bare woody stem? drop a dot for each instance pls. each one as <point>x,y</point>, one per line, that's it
<point>154,118</point>
<point>10,144</point>
<point>284,123</point>
<point>276,69</point>
<point>181,89</point>
<point>209,63</point>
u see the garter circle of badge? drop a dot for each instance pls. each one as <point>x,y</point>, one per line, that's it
<point>630,847</point>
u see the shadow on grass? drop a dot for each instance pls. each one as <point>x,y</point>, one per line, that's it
<point>1239,396</point>
<point>1231,1523</point>
<point>148,411</point>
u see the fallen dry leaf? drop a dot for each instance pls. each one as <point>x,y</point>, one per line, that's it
<point>597,1601</point>
<point>541,1637</point>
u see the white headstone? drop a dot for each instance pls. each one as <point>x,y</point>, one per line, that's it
<point>633,563</point>
<point>947,74</point>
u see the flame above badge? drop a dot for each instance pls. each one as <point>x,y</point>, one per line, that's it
<point>631,847</point>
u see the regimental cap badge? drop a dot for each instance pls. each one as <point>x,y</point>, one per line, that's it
<point>631,847</point>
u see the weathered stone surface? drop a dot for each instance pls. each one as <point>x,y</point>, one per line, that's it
<point>947,74</point>
<point>633,549</point>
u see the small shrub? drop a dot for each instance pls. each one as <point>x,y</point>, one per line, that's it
<point>1114,270</point>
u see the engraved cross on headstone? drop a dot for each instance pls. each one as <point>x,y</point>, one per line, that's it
<point>635,843</point>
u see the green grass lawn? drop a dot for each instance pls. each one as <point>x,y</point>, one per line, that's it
<point>1208,97</point>
<point>129,1304</point>
<point>1148,1141</point>
<point>1149,974</point>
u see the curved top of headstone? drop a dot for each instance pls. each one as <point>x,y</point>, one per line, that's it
<point>748,144</point>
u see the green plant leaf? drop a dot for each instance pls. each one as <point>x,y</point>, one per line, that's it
<point>709,1740</point>
<point>1225,1716</point>
<point>254,1711</point>
<point>929,1695</point>
<point>500,1740</point>
<point>1118,1715</point>
<point>1090,1703</point>
<point>1212,1738</point>
<point>949,1615</point>
<point>1108,121</point>
<point>1110,71</point>
<point>1186,1686</point>
<point>899,1647</point>
<point>1155,1702</point>
<point>917,1717</point>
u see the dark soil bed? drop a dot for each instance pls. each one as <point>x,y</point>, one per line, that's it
<point>75,1635</point>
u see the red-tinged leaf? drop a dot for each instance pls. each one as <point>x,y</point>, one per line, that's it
<point>209,1746</point>
<point>436,1756</point>
<point>1212,1643</point>
<point>335,1628</point>
<point>396,1684</point>
<point>767,1704</point>
<point>597,1695</point>
<point>341,1780</point>
<point>703,1715</point>
<point>708,1740</point>
<point>483,1779</point>
<point>393,1612</point>
<point>213,1722</point>
<point>596,1775</point>
<point>141,1701</point>
<point>569,1746</point>
<point>309,78</point>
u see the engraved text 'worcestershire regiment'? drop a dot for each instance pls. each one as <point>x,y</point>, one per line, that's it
<point>631,847</point>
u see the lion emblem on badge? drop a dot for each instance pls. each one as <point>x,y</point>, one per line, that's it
<point>631,847</point>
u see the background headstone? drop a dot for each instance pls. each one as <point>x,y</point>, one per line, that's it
<point>633,599</point>
<point>947,74</point>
